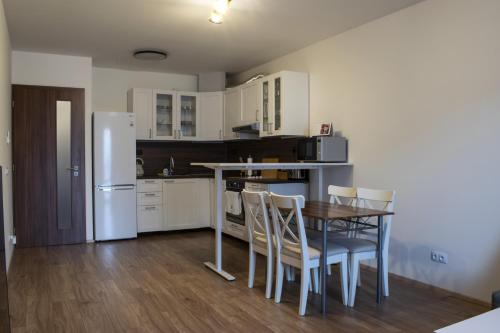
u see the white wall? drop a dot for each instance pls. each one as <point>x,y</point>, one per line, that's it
<point>418,95</point>
<point>110,86</point>
<point>6,129</point>
<point>62,71</point>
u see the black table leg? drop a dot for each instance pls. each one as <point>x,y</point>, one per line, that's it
<point>380,224</point>
<point>323,266</point>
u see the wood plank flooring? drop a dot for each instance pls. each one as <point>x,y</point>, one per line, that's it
<point>158,283</point>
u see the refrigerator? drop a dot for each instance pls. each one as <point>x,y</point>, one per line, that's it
<point>114,176</point>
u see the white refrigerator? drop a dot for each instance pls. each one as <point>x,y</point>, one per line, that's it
<point>114,175</point>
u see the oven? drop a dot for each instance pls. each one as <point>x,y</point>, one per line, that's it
<point>233,215</point>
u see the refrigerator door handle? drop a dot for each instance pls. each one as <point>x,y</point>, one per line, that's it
<point>115,188</point>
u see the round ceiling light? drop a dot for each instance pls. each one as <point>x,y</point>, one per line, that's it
<point>150,54</point>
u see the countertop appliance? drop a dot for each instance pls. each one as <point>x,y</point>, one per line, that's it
<point>114,176</point>
<point>139,164</point>
<point>322,149</point>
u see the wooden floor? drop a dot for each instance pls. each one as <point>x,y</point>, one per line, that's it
<point>159,284</point>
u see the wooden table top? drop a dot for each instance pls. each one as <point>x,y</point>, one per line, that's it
<point>326,210</point>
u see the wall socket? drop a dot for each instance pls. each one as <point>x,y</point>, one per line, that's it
<point>439,257</point>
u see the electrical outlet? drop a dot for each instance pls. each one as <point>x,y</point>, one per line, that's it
<point>439,257</point>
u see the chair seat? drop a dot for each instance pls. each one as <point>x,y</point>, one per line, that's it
<point>314,248</point>
<point>356,245</point>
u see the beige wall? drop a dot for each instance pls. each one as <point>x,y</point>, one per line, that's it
<point>62,71</point>
<point>418,95</point>
<point>110,86</point>
<point>5,130</point>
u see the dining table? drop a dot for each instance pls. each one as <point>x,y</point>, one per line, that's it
<point>326,214</point>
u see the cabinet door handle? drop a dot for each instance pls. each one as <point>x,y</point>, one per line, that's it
<point>270,128</point>
<point>257,115</point>
<point>220,134</point>
<point>150,133</point>
<point>168,181</point>
<point>149,181</point>
<point>150,208</point>
<point>149,194</point>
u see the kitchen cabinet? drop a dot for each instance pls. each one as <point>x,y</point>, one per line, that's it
<point>250,102</point>
<point>168,114</point>
<point>232,111</point>
<point>212,115</point>
<point>149,205</point>
<point>285,104</point>
<point>140,102</point>
<point>186,204</point>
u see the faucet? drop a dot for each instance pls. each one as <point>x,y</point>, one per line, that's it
<point>171,166</point>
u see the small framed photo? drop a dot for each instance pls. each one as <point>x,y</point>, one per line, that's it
<point>325,129</point>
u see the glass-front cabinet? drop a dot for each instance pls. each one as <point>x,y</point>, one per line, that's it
<point>175,115</point>
<point>163,114</point>
<point>271,106</point>
<point>188,108</point>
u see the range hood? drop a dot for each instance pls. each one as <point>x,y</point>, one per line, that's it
<point>247,129</point>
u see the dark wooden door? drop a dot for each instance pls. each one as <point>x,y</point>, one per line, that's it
<point>38,176</point>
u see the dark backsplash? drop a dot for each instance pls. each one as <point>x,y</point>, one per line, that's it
<point>156,154</point>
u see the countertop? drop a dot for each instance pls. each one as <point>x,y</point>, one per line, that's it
<point>269,166</point>
<point>208,175</point>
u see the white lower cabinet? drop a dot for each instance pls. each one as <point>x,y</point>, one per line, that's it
<point>186,204</point>
<point>149,205</point>
<point>173,204</point>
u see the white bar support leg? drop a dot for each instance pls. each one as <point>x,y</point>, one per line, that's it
<point>217,267</point>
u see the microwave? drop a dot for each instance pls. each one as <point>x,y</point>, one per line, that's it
<point>322,149</point>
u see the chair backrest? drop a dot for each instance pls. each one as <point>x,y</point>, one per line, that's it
<point>342,195</point>
<point>257,215</point>
<point>382,200</point>
<point>286,209</point>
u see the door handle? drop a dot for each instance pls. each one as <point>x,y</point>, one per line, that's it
<point>75,169</point>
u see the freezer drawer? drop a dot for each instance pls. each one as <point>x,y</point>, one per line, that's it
<point>115,215</point>
<point>150,198</point>
<point>149,185</point>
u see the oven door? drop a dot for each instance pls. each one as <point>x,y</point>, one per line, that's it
<point>307,150</point>
<point>240,218</point>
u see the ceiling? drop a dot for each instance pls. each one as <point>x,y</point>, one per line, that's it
<point>254,31</point>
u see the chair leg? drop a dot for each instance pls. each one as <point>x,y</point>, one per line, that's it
<point>251,268</point>
<point>269,277</point>
<point>343,279</point>
<point>354,264</point>
<point>315,274</point>
<point>304,288</point>
<point>359,277</point>
<point>385,273</point>
<point>279,281</point>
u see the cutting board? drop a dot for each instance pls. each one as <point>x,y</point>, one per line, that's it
<point>270,174</point>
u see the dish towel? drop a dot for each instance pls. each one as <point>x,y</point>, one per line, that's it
<point>233,202</point>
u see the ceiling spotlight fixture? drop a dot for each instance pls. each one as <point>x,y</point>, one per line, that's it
<point>150,54</point>
<point>219,9</point>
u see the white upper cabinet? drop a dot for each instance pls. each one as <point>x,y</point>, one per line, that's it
<point>285,104</point>
<point>174,115</point>
<point>164,115</point>
<point>140,102</point>
<point>250,103</point>
<point>232,111</point>
<point>188,116</point>
<point>212,115</point>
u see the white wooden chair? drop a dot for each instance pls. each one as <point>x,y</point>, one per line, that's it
<point>292,248</point>
<point>260,237</point>
<point>362,248</point>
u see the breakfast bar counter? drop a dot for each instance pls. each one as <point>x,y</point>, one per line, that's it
<point>218,168</point>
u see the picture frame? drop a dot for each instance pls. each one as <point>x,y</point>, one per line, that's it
<point>325,129</point>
